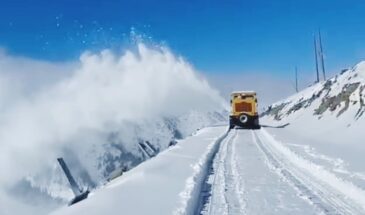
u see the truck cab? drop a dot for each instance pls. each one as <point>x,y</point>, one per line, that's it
<point>244,110</point>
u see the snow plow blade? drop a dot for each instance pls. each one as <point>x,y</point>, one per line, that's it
<point>276,126</point>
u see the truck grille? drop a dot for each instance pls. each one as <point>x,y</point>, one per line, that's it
<point>243,107</point>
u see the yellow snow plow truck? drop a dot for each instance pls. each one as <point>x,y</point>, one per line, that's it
<point>244,110</point>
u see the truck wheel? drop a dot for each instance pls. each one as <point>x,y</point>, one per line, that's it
<point>243,119</point>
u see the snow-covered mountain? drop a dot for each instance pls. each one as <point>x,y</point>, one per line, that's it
<point>337,104</point>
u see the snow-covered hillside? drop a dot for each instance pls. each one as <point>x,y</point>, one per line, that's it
<point>338,103</point>
<point>327,124</point>
<point>108,111</point>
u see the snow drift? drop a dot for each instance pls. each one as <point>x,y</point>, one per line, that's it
<point>95,113</point>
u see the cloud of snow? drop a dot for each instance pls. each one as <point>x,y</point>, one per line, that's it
<point>49,107</point>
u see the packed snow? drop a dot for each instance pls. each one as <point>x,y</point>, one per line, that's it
<point>214,172</point>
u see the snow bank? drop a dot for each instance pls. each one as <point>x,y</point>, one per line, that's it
<point>345,188</point>
<point>162,185</point>
<point>94,113</point>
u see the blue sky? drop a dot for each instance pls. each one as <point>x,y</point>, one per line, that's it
<point>216,36</point>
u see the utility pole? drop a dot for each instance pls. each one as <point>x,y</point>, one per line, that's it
<point>316,58</point>
<point>296,79</point>
<point>321,54</point>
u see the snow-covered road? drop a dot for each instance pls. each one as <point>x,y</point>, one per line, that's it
<point>215,172</point>
<point>253,173</point>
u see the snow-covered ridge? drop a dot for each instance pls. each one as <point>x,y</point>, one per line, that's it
<point>341,97</point>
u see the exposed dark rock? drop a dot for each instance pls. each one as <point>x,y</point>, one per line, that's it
<point>332,103</point>
<point>343,71</point>
<point>274,111</point>
<point>302,104</point>
<point>361,110</point>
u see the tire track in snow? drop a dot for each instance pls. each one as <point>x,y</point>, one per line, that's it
<point>204,186</point>
<point>225,186</point>
<point>311,187</point>
<point>238,185</point>
<point>218,203</point>
<point>234,193</point>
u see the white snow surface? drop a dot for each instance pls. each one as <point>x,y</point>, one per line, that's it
<point>337,132</point>
<point>166,184</point>
<point>331,139</point>
<point>256,173</point>
<point>218,173</point>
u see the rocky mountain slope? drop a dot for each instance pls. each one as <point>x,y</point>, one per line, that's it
<point>337,102</point>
